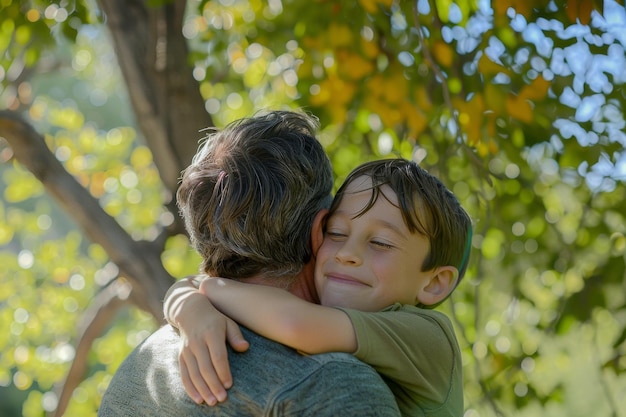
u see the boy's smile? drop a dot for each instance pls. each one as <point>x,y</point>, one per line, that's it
<point>371,261</point>
<point>343,279</point>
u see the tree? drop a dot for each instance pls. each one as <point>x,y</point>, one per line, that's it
<point>519,109</point>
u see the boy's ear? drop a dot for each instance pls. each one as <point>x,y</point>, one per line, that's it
<point>441,283</point>
<point>317,231</point>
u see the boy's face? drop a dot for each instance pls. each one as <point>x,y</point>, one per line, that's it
<point>371,261</point>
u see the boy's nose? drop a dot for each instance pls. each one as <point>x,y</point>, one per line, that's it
<point>348,255</point>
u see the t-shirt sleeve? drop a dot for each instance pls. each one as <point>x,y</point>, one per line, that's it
<point>414,348</point>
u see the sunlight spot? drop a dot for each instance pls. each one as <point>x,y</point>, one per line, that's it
<point>21,315</point>
<point>80,395</point>
<point>21,380</point>
<point>70,304</point>
<point>531,246</point>
<point>16,328</point>
<point>234,101</point>
<point>528,365</point>
<point>385,143</point>
<point>44,222</point>
<point>492,328</point>
<point>64,352</point>
<point>518,228</point>
<point>129,179</point>
<point>134,196</point>
<point>503,344</point>
<point>212,105</point>
<point>49,401</point>
<point>25,259</point>
<point>520,389</point>
<point>480,350</point>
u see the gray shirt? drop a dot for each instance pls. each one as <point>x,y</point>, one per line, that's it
<point>268,380</point>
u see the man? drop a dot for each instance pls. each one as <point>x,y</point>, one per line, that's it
<point>253,201</point>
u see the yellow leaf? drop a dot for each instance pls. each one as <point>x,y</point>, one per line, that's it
<point>523,7</point>
<point>423,99</point>
<point>235,54</point>
<point>141,157</point>
<point>322,96</point>
<point>353,65</point>
<point>339,35</point>
<point>444,54</point>
<point>68,118</point>
<point>536,90</point>
<point>493,146</point>
<point>396,88</point>
<point>21,187</point>
<point>333,89</point>
<point>6,234</point>
<point>96,186</point>
<point>415,119</point>
<point>579,10</point>
<point>60,275</point>
<point>370,49</point>
<point>370,6</point>
<point>376,86</point>
<point>389,116</point>
<point>487,67</point>
<point>495,98</point>
<point>519,108</point>
<point>22,35</point>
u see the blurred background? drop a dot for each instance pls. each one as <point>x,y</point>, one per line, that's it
<point>518,106</point>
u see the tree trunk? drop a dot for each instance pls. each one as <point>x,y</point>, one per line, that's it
<point>153,56</point>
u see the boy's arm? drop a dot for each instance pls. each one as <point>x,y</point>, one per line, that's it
<point>203,330</point>
<point>281,316</point>
<point>176,296</point>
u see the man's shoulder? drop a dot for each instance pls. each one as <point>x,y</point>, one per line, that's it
<point>267,358</point>
<point>269,379</point>
<point>326,384</point>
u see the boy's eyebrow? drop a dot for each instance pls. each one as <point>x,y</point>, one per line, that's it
<point>392,227</point>
<point>384,223</point>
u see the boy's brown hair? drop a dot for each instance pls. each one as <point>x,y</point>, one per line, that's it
<point>427,207</point>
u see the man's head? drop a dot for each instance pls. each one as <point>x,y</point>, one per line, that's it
<point>393,218</point>
<point>251,193</point>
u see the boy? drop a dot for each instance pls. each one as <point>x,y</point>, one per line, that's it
<point>396,243</point>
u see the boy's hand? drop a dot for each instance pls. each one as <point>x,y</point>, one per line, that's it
<point>203,357</point>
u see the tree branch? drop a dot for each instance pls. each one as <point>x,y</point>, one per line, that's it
<point>100,314</point>
<point>141,266</point>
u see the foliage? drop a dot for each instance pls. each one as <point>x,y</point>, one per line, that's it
<point>519,109</point>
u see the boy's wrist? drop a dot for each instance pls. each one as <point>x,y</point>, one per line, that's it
<point>206,285</point>
<point>185,302</point>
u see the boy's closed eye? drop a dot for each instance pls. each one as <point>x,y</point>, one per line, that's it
<point>335,234</point>
<point>382,245</point>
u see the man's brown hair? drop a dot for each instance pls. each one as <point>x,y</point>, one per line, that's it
<point>251,193</point>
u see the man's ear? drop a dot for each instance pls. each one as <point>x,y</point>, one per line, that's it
<point>442,281</point>
<point>317,231</point>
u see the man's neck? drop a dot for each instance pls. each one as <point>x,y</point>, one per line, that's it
<point>303,285</point>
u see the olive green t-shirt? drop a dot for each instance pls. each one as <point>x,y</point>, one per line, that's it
<point>416,352</point>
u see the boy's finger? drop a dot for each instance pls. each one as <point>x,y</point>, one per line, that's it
<point>219,363</point>
<point>235,337</point>
<point>203,380</point>
<point>209,375</point>
<point>188,384</point>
